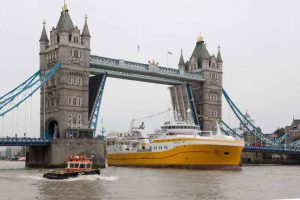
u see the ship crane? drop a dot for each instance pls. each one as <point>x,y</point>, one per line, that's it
<point>142,126</point>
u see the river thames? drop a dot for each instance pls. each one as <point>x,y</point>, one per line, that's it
<point>252,182</point>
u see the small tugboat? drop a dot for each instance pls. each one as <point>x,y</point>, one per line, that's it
<point>77,165</point>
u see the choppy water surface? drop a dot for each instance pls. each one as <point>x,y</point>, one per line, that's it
<point>253,182</point>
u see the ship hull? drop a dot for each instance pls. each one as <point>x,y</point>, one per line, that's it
<point>198,156</point>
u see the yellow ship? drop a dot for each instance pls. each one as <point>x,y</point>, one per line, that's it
<point>179,145</point>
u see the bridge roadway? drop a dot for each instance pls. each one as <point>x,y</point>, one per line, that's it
<point>118,68</point>
<point>24,141</point>
<point>272,149</point>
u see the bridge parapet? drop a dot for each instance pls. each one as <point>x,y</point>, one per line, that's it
<point>136,65</point>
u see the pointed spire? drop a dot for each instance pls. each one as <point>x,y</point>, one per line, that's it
<point>65,23</point>
<point>44,37</point>
<point>85,31</point>
<point>219,57</point>
<point>200,52</point>
<point>181,60</point>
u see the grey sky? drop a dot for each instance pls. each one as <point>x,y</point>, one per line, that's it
<point>259,44</point>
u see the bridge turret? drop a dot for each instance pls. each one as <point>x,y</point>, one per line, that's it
<point>201,54</point>
<point>86,37</point>
<point>219,58</point>
<point>44,41</point>
<point>181,64</point>
<point>64,27</point>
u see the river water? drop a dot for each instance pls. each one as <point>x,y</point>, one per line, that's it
<point>252,182</point>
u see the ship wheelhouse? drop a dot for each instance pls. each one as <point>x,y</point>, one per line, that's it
<point>180,128</point>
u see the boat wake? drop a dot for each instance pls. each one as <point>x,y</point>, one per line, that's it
<point>85,178</point>
<point>39,177</point>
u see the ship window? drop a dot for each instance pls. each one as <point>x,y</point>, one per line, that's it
<point>76,165</point>
<point>72,165</point>
<point>81,165</point>
<point>226,153</point>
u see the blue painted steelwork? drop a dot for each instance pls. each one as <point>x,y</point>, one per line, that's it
<point>282,138</point>
<point>255,131</point>
<point>93,120</point>
<point>24,141</point>
<point>229,131</point>
<point>294,144</point>
<point>142,72</point>
<point>10,96</point>
<point>272,149</point>
<point>192,104</point>
<point>34,85</point>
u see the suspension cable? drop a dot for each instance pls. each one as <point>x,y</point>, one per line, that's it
<point>3,125</point>
<point>30,123</point>
<point>17,124</point>
<point>12,123</point>
<point>25,124</point>
<point>35,85</point>
<point>1,128</point>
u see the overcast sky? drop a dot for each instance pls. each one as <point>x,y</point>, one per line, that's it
<point>259,42</point>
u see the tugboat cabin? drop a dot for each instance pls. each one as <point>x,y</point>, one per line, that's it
<point>79,163</point>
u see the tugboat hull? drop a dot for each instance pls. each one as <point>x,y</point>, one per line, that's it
<point>66,175</point>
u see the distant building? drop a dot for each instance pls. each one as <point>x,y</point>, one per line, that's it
<point>207,95</point>
<point>248,137</point>
<point>14,151</point>
<point>293,130</point>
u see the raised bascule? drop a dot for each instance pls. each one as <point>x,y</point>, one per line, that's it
<point>71,84</point>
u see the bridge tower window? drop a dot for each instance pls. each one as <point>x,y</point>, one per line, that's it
<point>74,101</point>
<point>76,39</point>
<point>74,121</point>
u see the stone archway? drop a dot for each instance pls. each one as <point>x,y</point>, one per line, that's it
<point>53,130</point>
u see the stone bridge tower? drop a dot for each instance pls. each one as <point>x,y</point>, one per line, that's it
<point>207,95</point>
<point>64,100</point>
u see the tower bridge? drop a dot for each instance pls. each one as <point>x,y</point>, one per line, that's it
<point>71,83</point>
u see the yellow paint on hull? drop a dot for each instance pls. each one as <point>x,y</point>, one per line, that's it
<point>181,156</point>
